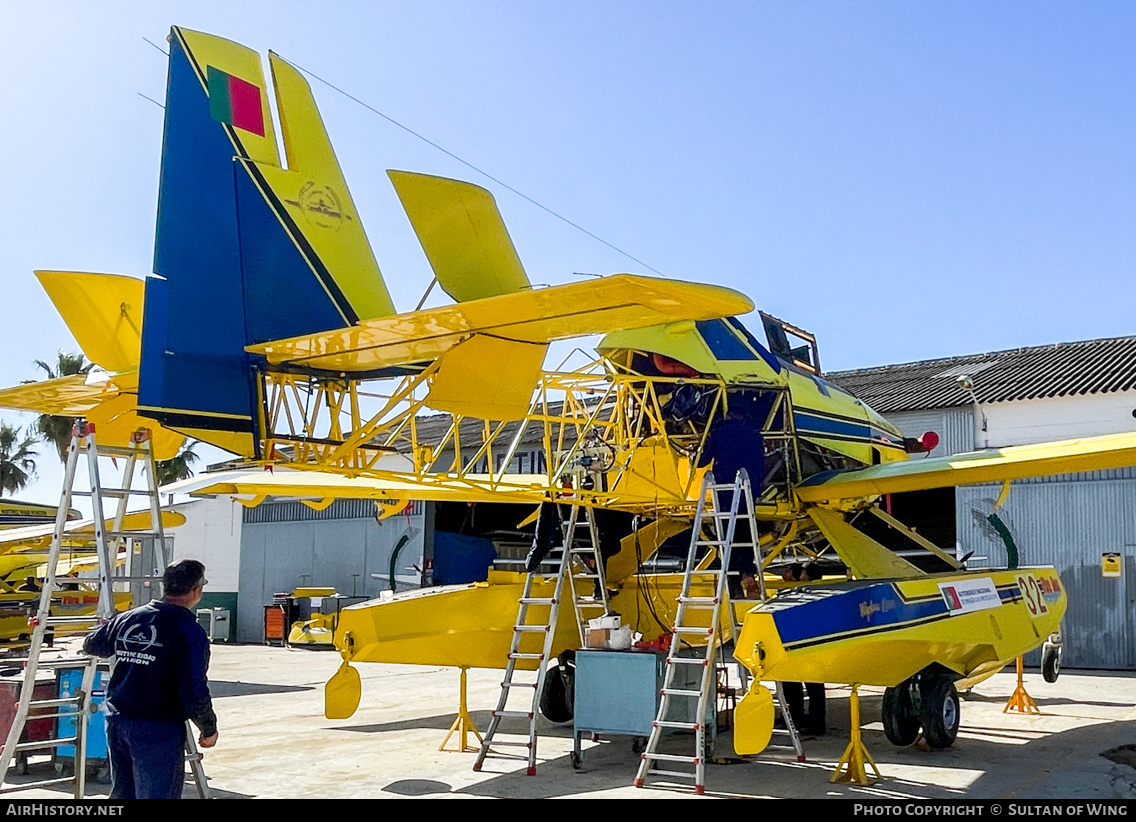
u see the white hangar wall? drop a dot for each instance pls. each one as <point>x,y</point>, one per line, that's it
<point>1066,520</point>
<point>286,544</point>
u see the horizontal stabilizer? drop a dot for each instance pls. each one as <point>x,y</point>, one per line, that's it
<point>463,235</point>
<point>103,312</point>
<point>993,465</point>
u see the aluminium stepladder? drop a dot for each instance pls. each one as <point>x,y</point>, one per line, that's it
<point>579,567</point>
<point>79,706</point>
<point>724,517</point>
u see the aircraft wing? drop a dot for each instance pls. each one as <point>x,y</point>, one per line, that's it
<point>64,396</point>
<point>992,465</point>
<point>83,531</point>
<point>537,316</point>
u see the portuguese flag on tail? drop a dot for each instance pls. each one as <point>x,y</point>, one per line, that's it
<point>235,101</point>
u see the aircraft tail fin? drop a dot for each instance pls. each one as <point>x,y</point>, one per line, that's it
<point>247,250</point>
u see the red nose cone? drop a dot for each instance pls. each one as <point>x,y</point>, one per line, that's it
<point>929,440</point>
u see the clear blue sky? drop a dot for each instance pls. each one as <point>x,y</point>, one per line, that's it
<point>906,180</point>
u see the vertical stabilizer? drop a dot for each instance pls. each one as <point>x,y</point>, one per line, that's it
<point>246,251</point>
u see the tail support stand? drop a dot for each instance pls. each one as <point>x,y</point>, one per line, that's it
<point>463,726</point>
<point>1020,700</point>
<point>853,766</point>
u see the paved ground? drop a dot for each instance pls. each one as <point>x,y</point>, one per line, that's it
<point>276,743</point>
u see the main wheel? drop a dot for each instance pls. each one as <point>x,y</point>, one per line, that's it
<point>901,720</point>
<point>1051,663</point>
<point>554,702</point>
<point>940,713</point>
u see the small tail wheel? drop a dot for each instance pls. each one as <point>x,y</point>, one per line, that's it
<point>1051,663</point>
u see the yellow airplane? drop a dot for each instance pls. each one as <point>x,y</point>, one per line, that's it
<point>23,558</point>
<point>268,315</point>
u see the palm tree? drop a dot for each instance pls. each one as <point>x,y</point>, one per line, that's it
<point>57,430</point>
<point>177,467</point>
<point>17,459</point>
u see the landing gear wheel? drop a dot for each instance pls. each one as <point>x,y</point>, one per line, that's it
<point>577,761</point>
<point>553,699</point>
<point>901,720</point>
<point>638,744</point>
<point>557,699</point>
<point>940,712</point>
<point>1051,664</point>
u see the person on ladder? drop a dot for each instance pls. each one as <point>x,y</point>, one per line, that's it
<point>159,681</point>
<point>733,444</point>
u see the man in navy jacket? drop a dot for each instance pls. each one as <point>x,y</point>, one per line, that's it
<point>158,682</point>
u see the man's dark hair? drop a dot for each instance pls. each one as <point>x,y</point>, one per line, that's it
<point>182,576</point>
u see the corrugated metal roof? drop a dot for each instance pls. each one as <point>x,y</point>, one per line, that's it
<point>1059,370</point>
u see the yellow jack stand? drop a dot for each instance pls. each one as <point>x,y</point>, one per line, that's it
<point>853,765</point>
<point>1021,701</point>
<point>463,726</point>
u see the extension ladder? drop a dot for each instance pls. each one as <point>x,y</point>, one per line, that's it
<point>79,705</point>
<point>579,567</point>
<point>724,519</point>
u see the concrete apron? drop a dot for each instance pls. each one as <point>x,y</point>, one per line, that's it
<point>276,743</point>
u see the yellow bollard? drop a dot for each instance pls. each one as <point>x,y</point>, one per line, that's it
<point>463,726</point>
<point>853,765</point>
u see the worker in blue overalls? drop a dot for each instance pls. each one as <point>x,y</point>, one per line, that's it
<point>733,444</point>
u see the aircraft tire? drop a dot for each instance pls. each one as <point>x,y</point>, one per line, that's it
<point>556,697</point>
<point>1051,664</point>
<point>901,720</point>
<point>940,712</point>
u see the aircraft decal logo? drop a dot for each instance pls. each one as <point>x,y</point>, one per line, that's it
<point>967,596</point>
<point>320,206</point>
<point>234,101</point>
<point>135,644</point>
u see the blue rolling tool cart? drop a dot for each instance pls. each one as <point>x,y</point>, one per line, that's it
<point>617,693</point>
<point>68,680</point>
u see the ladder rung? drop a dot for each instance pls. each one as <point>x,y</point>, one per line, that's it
<point>681,629</point>
<point>525,656</point>
<point>699,600</point>
<point>46,743</point>
<point>536,601</point>
<point>51,703</point>
<point>510,744</point>
<point>27,786</point>
<point>119,493</point>
<point>678,774</point>
<point>680,692</point>
<point>85,619</point>
<point>685,660</point>
<point>693,760</point>
<point>682,726</point>
<point>513,714</point>
<point>531,628</point>
<point>133,534</point>
<point>118,451</point>
<point>66,662</point>
<point>511,684</point>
